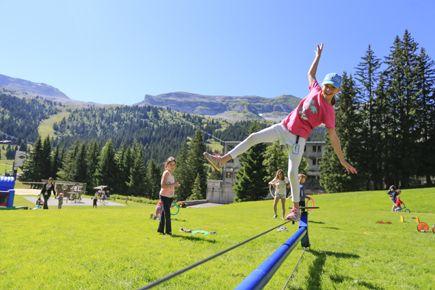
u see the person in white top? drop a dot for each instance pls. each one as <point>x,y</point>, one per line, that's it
<point>280,184</point>
<point>168,185</point>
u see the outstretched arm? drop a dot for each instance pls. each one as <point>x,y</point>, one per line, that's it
<point>313,69</point>
<point>272,182</point>
<point>335,142</point>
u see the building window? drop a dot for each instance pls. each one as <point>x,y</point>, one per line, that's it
<point>319,148</point>
<point>314,161</point>
<point>314,148</point>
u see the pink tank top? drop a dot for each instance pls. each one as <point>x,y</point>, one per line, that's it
<point>170,190</point>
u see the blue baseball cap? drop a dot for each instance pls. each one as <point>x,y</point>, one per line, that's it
<point>332,79</point>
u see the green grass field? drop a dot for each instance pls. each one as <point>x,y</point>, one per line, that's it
<point>5,166</point>
<point>46,127</point>
<point>118,248</point>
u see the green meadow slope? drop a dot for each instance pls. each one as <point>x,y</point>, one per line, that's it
<point>118,248</point>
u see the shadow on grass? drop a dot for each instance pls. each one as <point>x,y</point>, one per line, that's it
<point>316,269</point>
<point>330,228</point>
<point>179,220</point>
<point>340,279</point>
<point>314,222</point>
<point>193,238</point>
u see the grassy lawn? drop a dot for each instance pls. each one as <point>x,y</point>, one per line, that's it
<point>5,166</point>
<point>118,248</point>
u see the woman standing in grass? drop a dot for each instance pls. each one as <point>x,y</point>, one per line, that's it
<point>312,111</point>
<point>47,190</point>
<point>280,183</point>
<point>167,191</point>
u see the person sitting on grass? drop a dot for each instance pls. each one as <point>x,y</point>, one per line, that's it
<point>158,211</point>
<point>393,192</point>
<point>39,203</point>
<point>399,204</point>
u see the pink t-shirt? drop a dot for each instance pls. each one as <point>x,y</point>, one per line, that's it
<point>311,111</point>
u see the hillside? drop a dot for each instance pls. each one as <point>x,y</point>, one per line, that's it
<point>20,117</point>
<point>25,88</point>
<point>226,107</point>
<point>161,131</point>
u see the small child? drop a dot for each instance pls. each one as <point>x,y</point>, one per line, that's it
<point>94,200</point>
<point>158,212</point>
<point>60,200</point>
<point>398,204</point>
<point>280,183</point>
<point>393,192</point>
<point>39,203</point>
<point>302,178</point>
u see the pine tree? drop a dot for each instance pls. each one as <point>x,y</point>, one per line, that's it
<point>33,165</point>
<point>107,170</point>
<point>401,83</point>
<point>275,157</point>
<point>196,189</point>
<point>69,168</point>
<point>333,177</point>
<point>367,75</point>
<point>80,164</point>
<point>153,177</point>
<point>55,162</point>
<point>250,178</point>
<point>137,179</point>
<point>425,115</point>
<point>45,157</point>
<point>183,173</point>
<point>92,163</point>
<point>196,161</point>
<point>10,152</point>
<point>124,160</point>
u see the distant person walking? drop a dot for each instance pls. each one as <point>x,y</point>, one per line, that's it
<point>46,191</point>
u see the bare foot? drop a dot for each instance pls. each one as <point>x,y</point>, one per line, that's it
<point>214,160</point>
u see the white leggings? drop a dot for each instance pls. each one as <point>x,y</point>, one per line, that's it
<point>272,134</point>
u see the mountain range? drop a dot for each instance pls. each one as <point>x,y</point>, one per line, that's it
<point>226,107</point>
<point>232,108</point>
<point>24,88</point>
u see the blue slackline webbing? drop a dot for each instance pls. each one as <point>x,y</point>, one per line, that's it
<point>260,276</point>
<point>172,275</point>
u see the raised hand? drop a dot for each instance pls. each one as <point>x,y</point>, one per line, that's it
<point>319,49</point>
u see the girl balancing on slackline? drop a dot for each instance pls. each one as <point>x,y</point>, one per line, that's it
<point>316,108</point>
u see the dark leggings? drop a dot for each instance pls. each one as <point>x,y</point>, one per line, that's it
<point>165,217</point>
<point>46,197</point>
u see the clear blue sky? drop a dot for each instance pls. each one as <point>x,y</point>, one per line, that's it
<point>118,51</point>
